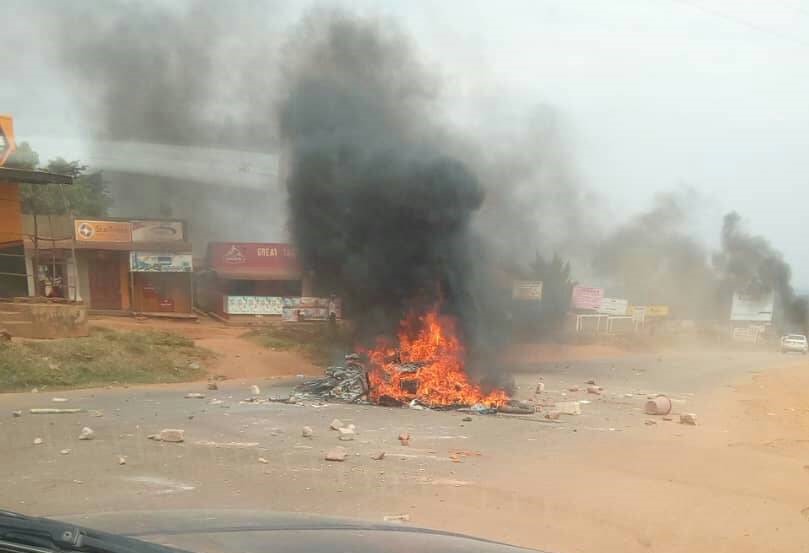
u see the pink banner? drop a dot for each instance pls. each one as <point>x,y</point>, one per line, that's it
<point>587,298</point>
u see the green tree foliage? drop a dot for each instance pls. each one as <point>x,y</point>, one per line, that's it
<point>86,197</point>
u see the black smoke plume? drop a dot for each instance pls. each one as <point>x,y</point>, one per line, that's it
<point>377,208</point>
<point>750,265</point>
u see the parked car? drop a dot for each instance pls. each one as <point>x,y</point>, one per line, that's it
<point>794,343</point>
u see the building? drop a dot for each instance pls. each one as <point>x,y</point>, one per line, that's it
<point>249,282</point>
<point>131,266</point>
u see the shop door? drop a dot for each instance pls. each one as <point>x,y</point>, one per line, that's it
<point>105,281</point>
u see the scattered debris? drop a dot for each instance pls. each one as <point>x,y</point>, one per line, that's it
<point>378,456</point>
<point>346,433</point>
<point>467,418</point>
<point>194,366</point>
<point>591,382</point>
<point>216,402</point>
<point>307,432</point>
<point>516,407</point>
<point>552,415</point>
<point>336,454</point>
<point>87,433</point>
<point>255,390</point>
<point>64,452</point>
<point>568,407</point>
<point>213,386</point>
<point>346,383</point>
<point>404,438</point>
<point>660,405</point>
<point>668,419</point>
<point>5,336</point>
<point>59,399</point>
<point>594,389</point>
<point>650,422</point>
<point>262,460</point>
<point>16,414</point>
<point>414,404</point>
<point>173,435</point>
<point>573,389</point>
<point>121,460</point>
<point>480,409</point>
<point>38,441</point>
<point>34,390</point>
<point>688,418</point>
<point>336,424</point>
<point>53,411</point>
<point>396,518</point>
<point>194,395</point>
<point>540,388</point>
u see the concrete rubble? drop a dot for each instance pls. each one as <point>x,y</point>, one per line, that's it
<point>64,452</point>
<point>404,438</point>
<point>38,441</point>
<point>16,413</point>
<point>336,424</point>
<point>688,418</point>
<point>171,435</point>
<point>336,454</point>
<point>255,390</point>
<point>378,455</point>
<point>660,405</point>
<point>594,389</point>
<point>87,433</point>
<point>263,461</point>
<point>307,432</point>
<point>194,395</point>
<point>396,518</point>
<point>346,433</point>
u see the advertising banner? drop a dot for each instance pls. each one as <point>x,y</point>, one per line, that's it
<point>157,231</point>
<point>87,230</point>
<point>586,298</point>
<point>146,262</point>
<point>254,305</point>
<point>747,307</point>
<point>310,309</point>
<point>613,306</point>
<point>528,290</point>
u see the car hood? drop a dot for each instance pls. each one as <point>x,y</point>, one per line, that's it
<point>217,531</point>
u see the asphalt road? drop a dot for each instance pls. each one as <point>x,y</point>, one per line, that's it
<point>561,485</point>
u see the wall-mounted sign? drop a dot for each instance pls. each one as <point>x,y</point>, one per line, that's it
<point>311,309</point>
<point>87,230</point>
<point>145,262</point>
<point>157,231</point>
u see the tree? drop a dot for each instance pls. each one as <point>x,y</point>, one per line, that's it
<point>86,197</point>
<point>556,290</point>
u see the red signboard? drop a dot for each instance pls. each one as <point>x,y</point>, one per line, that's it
<point>246,259</point>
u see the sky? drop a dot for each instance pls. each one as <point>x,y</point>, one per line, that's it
<point>655,94</point>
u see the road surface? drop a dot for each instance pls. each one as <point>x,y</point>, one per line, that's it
<point>605,480</point>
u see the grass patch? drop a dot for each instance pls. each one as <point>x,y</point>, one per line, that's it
<point>319,342</point>
<point>105,357</point>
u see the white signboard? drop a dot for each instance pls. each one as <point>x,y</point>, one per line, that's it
<point>529,290</point>
<point>254,305</point>
<point>752,308</point>
<point>613,306</point>
<point>147,262</point>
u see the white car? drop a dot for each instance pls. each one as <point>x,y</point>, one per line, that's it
<point>795,343</point>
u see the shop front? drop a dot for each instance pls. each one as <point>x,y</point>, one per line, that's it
<point>253,282</point>
<point>136,266</point>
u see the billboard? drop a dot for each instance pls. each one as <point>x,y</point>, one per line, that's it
<point>142,262</point>
<point>87,230</point>
<point>586,298</point>
<point>529,290</point>
<point>613,306</point>
<point>157,231</point>
<point>657,311</point>
<point>254,305</point>
<point>748,307</point>
<point>260,260</point>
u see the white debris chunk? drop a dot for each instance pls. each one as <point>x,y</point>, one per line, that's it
<point>336,454</point>
<point>38,441</point>
<point>255,390</point>
<point>87,433</point>
<point>307,432</point>
<point>336,424</point>
<point>194,395</point>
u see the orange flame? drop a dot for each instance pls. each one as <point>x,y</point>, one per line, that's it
<point>430,347</point>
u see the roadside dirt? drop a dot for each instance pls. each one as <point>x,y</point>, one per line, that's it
<point>236,357</point>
